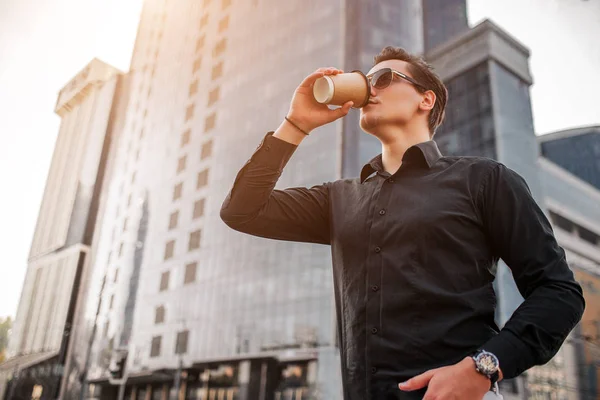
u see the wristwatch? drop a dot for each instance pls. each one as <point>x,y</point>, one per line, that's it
<point>487,364</point>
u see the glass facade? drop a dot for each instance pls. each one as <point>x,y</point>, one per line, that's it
<point>442,21</point>
<point>578,152</point>
<point>468,129</point>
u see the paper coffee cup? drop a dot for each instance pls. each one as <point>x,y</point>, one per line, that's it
<point>341,88</point>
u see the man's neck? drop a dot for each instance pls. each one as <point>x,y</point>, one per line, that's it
<point>394,143</point>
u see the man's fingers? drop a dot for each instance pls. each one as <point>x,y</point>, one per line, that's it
<point>309,80</point>
<point>418,382</point>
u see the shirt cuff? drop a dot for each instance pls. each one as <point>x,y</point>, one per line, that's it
<point>513,355</point>
<point>273,153</point>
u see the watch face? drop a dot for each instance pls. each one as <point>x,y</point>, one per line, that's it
<point>487,363</point>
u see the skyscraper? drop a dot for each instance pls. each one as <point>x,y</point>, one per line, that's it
<point>489,115</point>
<point>208,80</point>
<point>60,249</point>
<point>443,20</point>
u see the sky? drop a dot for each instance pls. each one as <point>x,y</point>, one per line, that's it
<point>45,43</point>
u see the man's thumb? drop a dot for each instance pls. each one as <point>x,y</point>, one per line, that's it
<point>418,382</point>
<point>345,109</point>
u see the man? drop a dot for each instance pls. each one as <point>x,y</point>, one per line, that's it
<point>415,241</point>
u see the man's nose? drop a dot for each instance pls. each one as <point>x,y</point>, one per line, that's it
<point>373,91</point>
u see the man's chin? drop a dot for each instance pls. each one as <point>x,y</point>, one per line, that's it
<point>368,123</point>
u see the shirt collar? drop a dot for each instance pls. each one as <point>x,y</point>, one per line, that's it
<point>426,151</point>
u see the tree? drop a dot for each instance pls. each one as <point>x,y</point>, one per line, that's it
<point>5,326</point>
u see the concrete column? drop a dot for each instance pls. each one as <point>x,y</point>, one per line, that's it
<point>258,379</point>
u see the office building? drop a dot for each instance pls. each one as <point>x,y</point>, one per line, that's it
<point>489,115</point>
<point>577,150</point>
<point>238,314</point>
<point>59,252</point>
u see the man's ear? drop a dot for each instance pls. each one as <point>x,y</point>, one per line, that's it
<point>428,101</point>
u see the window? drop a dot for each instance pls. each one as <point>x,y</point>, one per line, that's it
<point>124,224</point>
<point>155,347</point>
<point>189,113</point>
<point>213,96</point>
<point>164,281</point>
<point>133,175</point>
<point>217,70</point>
<point>121,249</point>
<point>210,122</point>
<point>111,303</point>
<point>562,222</point>
<point>198,208</point>
<point>206,150</point>
<point>197,65</point>
<point>173,220</point>
<point>181,163</point>
<point>220,47</point>
<point>141,133</point>
<point>588,235</point>
<point>204,21</point>
<point>190,273</point>
<point>194,242</point>
<point>200,43</point>
<point>202,179</point>
<point>224,23</point>
<point>181,342</point>
<point>185,137</point>
<point>106,327</point>
<point>177,191</point>
<point>137,155</point>
<point>159,315</point>
<point>116,275</point>
<point>129,200</point>
<point>169,249</point>
<point>194,88</point>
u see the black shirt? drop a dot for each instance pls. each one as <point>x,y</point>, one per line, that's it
<point>414,256</point>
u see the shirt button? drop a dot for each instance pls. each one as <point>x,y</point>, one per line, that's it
<point>373,370</point>
<point>374,288</point>
<point>390,180</point>
<point>267,148</point>
<point>382,212</point>
<point>374,331</point>
<point>377,249</point>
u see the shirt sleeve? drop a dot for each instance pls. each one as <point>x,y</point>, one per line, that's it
<point>522,236</point>
<point>254,207</point>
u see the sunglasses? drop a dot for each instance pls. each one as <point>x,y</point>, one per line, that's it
<point>384,77</point>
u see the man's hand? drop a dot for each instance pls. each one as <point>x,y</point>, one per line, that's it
<point>458,381</point>
<point>309,114</point>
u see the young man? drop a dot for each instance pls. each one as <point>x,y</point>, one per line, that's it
<point>415,241</point>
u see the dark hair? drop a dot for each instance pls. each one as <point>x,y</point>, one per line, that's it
<point>423,73</point>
